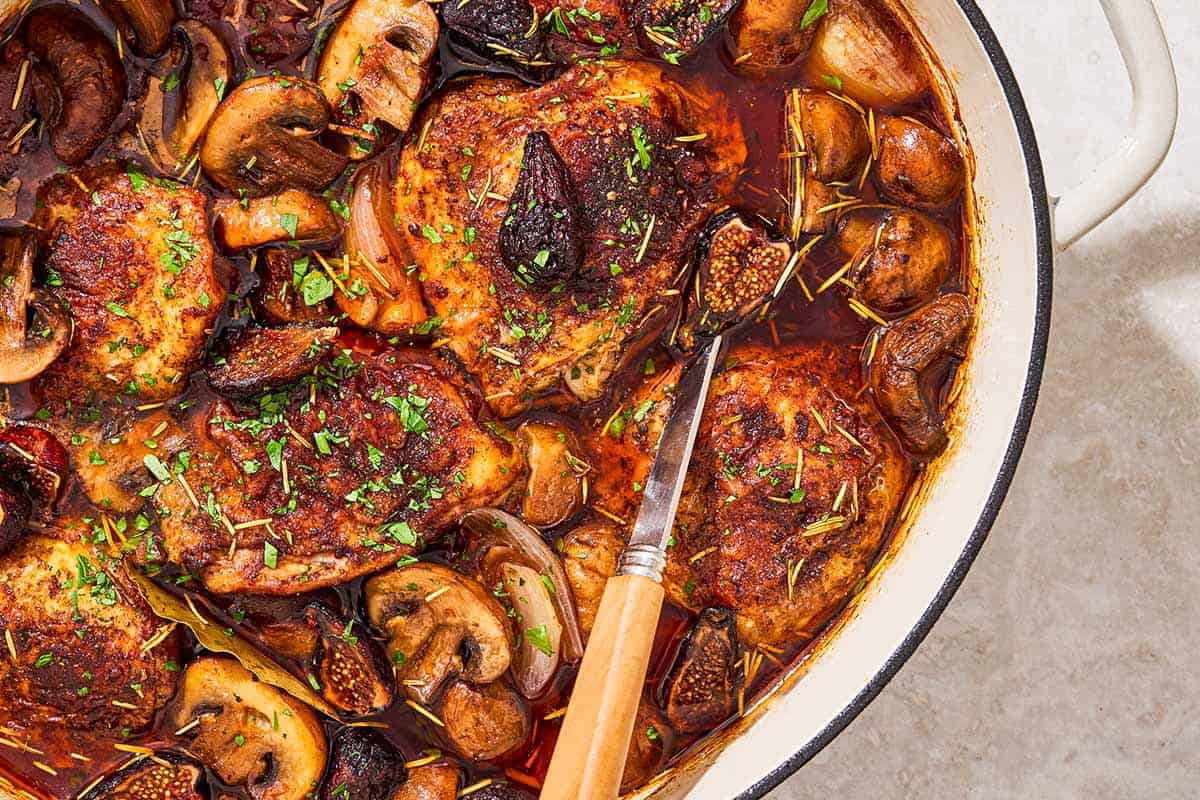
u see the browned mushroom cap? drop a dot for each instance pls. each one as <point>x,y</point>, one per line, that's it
<point>34,457</point>
<point>34,330</point>
<point>249,733</point>
<point>739,264</point>
<point>183,95</point>
<point>431,782</point>
<point>589,556</point>
<point>350,674</point>
<point>380,52</point>
<point>872,55</point>
<point>363,766</point>
<point>554,489</point>
<point>14,515</point>
<point>818,206</point>
<point>440,624</point>
<point>251,360</point>
<point>835,137</point>
<point>770,34</point>
<point>261,138</point>
<point>165,776</point>
<point>146,23</point>
<point>77,80</point>
<point>484,722</point>
<point>917,165</point>
<point>291,215</point>
<point>701,691</point>
<point>906,352</point>
<point>652,741</point>
<point>901,260</point>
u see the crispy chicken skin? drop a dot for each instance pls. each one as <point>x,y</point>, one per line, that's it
<point>639,197</point>
<point>136,270</point>
<point>387,456</point>
<point>78,632</point>
<point>742,523</point>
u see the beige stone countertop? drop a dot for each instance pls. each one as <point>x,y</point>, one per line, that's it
<point>1068,664</point>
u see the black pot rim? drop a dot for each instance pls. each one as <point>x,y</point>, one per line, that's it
<point>1033,379</point>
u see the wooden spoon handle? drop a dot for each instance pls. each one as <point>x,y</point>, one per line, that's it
<point>590,754</point>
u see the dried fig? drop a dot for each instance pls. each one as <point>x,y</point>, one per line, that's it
<point>539,238</point>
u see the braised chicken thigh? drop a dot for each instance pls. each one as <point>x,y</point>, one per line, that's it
<point>312,486</point>
<point>549,225</point>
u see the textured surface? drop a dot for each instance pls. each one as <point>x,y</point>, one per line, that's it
<point>1066,666</point>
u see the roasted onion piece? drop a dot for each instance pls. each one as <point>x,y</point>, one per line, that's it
<point>907,350</point>
<point>738,267</point>
<point>872,56</point>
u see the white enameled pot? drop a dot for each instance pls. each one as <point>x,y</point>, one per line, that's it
<point>1019,229</point>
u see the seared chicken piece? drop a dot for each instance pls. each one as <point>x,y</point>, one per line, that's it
<point>287,493</point>
<point>550,224</point>
<point>783,554</point>
<point>78,633</point>
<point>131,260</point>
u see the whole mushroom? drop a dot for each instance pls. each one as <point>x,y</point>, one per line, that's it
<point>918,166</point>
<point>262,138</point>
<point>147,23</point>
<point>34,330</point>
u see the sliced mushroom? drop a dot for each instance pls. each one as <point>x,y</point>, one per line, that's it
<point>430,782</point>
<point>818,206</point>
<point>78,82</point>
<point>145,23</point>
<point>900,261</point>
<point>14,515</point>
<point>590,553</point>
<point>347,668</point>
<point>164,776</point>
<point>379,55</point>
<point>917,165</point>
<point>554,489</point>
<point>484,722</point>
<point>738,266</point>
<point>252,360</point>
<point>36,459</point>
<point>261,139</point>
<point>701,690</point>
<point>870,53</point>
<point>249,733</point>
<point>387,296</point>
<point>770,34</point>
<point>439,624</point>
<point>183,95</point>
<point>290,216</point>
<point>34,330</point>
<point>907,353</point>
<point>652,741</point>
<point>363,766</point>
<point>835,137</point>
<point>281,297</point>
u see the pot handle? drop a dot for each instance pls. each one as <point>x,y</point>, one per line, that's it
<point>1139,34</point>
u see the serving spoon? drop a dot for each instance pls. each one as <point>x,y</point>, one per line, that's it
<point>589,756</point>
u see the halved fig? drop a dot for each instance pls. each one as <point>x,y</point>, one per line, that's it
<point>363,766</point>
<point>907,352</point>
<point>540,241</point>
<point>377,62</point>
<point>484,722</point>
<point>738,266</point>
<point>281,296</point>
<point>652,741</point>
<point>34,457</point>
<point>430,782</point>
<point>590,553</point>
<point>165,776</point>
<point>290,216</point>
<point>874,57</point>
<point>252,360</point>
<point>15,510</point>
<point>386,294</point>
<point>673,29</point>
<point>145,23</point>
<point>903,261</point>
<point>917,165</point>
<point>554,489</point>
<point>835,137</point>
<point>348,671</point>
<point>77,80</point>
<point>34,329</point>
<point>248,732</point>
<point>183,93</point>
<point>439,624</point>
<point>770,34</point>
<point>701,691</point>
<point>262,138</point>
